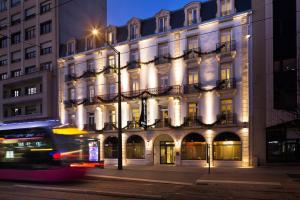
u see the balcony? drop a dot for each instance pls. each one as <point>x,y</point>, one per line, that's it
<point>90,73</point>
<point>110,70</point>
<point>227,47</point>
<point>190,54</point>
<point>90,127</point>
<point>90,101</point>
<point>69,103</point>
<point>226,119</point>
<point>133,125</point>
<point>133,65</point>
<point>110,126</point>
<point>192,88</point>
<point>192,121</point>
<point>70,77</point>
<point>165,91</point>
<point>226,84</point>
<point>162,59</point>
<point>162,123</point>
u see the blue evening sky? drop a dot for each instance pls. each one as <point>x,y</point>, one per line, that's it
<point>120,11</point>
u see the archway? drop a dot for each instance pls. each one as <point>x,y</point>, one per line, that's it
<point>164,150</point>
<point>111,147</point>
<point>193,147</point>
<point>227,146</point>
<point>135,147</point>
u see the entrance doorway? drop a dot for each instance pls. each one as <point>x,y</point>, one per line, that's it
<point>167,152</point>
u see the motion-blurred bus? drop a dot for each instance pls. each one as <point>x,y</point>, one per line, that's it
<point>45,151</point>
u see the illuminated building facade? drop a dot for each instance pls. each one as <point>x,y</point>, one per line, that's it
<point>190,67</point>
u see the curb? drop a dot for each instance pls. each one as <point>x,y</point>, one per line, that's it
<point>140,180</point>
<point>199,182</point>
<point>103,193</point>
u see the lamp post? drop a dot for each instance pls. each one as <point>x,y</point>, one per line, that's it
<point>95,32</point>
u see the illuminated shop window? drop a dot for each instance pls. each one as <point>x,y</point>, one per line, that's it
<point>111,147</point>
<point>135,147</point>
<point>193,147</point>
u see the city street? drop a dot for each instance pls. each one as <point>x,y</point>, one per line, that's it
<point>162,183</point>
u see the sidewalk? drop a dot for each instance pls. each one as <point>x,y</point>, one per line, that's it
<point>275,175</point>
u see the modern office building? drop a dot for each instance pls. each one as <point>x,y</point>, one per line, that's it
<point>274,116</point>
<point>186,72</point>
<point>31,32</point>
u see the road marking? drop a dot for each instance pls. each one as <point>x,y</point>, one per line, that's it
<point>199,181</point>
<point>92,192</point>
<point>141,180</point>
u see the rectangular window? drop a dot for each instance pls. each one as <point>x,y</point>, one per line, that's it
<point>90,43</point>
<point>30,70</point>
<point>71,48</point>
<point>192,43</point>
<point>90,64</point>
<point>3,76</point>
<point>225,36</point>
<point>15,38</point>
<point>15,111</point>
<point>3,5</point>
<point>193,77</point>
<point>30,109</point>
<point>15,56</point>
<point>162,24</point>
<point>3,60</point>
<point>3,42</point>
<point>111,88</point>
<point>71,69</point>
<point>30,13</point>
<point>110,37</point>
<point>226,106</point>
<point>45,27</point>
<point>14,3</point>
<point>112,116</point>
<point>31,90</point>
<point>225,72</point>
<point>111,61</point>
<point>91,120</point>
<point>164,81</point>
<point>192,110</point>
<point>3,23</point>
<point>30,52</point>
<point>163,49</point>
<point>225,7</point>
<point>135,114</point>
<point>16,92</point>
<point>46,66</point>
<point>133,31</point>
<point>45,7</point>
<point>16,73</point>
<point>192,16</point>
<point>46,48</point>
<point>91,93</point>
<point>134,55</point>
<point>30,33</point>
<point>135,84</point>
<point>15,19</point>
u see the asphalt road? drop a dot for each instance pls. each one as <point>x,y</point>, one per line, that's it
<point>94,188</point>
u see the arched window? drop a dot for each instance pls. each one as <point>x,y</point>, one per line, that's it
<point>193,147</point>
<point>135,147</point>
<point>111,147</point>
<point>227,146</point>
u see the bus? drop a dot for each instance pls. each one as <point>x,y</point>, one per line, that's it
<point>45,151</point>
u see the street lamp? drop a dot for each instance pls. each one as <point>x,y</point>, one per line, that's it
<point>95,32</point>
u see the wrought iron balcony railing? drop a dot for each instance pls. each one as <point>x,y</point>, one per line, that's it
<point>110,70</point>
<point>162,59</point>
<point>110,126</point>
<point>191,53</point>
<point>90,127</point>
<point>162,123</point>
<point>191,88</point>
<point>226,84</point>
<point>133,65</point>
<point>226,119</point>
<point>70,77</point>
<point>163,91</point>
<point>133,125</point>
<point>226,47</point>
<point>192,121</point>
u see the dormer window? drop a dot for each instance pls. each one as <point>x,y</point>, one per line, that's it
<point>162,23</point>
<point>110,37</point>
<point>225,7</point>
<point>192,13</point>
<point>71,47</point>
<point>90,42</point>
<point>133,31</point>
<point>192,16</point>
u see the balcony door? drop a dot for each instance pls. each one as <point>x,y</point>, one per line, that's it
<point>193,77</point>
<point>112,116</point>
<point>164,81</point>
<point>227,110</point>
<point>164,115</point>
<point>226,71</point>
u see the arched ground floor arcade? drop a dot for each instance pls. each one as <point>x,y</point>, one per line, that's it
<point>186,147</point>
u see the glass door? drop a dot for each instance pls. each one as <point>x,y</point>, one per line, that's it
<point>167,153</point>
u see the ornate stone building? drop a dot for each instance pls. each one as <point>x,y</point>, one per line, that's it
<point>190,67</point>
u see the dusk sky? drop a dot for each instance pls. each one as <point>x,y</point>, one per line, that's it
<point>120,11</point>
